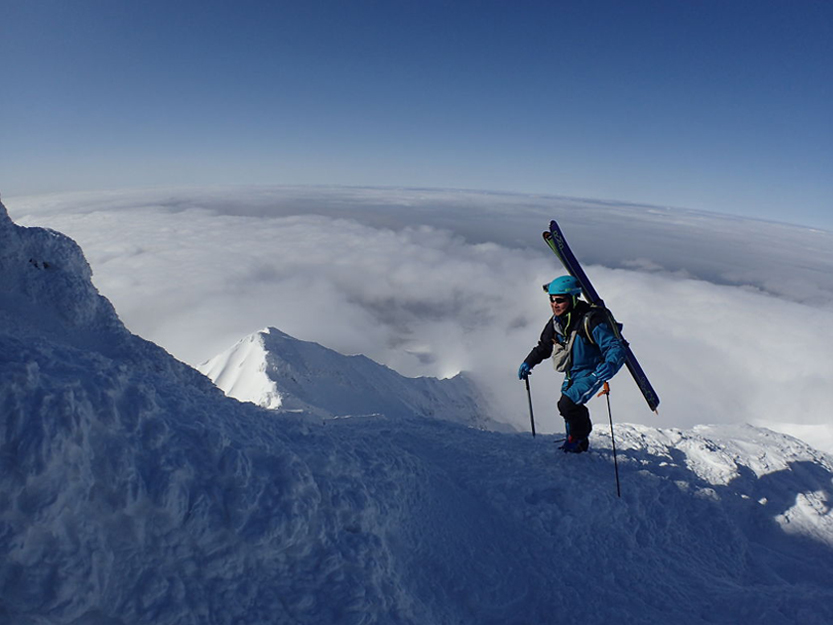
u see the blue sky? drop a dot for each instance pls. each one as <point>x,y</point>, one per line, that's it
<point>714,105</point>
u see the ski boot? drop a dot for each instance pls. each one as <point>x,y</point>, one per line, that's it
<point>575,445</point>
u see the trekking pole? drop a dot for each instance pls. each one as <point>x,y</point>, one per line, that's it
<point>606,393</point>
<point>529,397</point>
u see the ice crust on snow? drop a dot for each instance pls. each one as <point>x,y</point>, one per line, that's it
<point>133,491</point>
<point>274,370</point>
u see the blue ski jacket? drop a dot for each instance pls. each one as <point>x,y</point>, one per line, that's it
<point>581,381</point>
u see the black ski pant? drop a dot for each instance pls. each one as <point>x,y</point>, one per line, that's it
<point>576,417</point>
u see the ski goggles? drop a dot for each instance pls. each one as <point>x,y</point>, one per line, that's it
<point>560,299</point>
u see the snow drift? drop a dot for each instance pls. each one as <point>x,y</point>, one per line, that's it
<point>133,491</point>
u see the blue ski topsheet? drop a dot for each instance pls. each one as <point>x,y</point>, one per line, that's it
<point>558,244</point>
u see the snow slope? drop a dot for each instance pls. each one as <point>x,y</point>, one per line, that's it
<point>274,370</point>
<point>133,491</point>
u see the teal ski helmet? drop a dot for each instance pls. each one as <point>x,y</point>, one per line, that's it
<point>565,285</point>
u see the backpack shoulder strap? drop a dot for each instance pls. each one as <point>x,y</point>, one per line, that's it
<point>597,315</point>
<point>592,318</point>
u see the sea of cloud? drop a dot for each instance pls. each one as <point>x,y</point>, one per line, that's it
<point>729,317</point>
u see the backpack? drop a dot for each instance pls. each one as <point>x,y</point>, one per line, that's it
<point>597,315</point>
<point>562,354</point>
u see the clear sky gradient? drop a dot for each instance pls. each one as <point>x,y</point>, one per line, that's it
<point>719,105</point>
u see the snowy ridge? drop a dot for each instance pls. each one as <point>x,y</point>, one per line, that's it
<point>274,370</point>
<point>133,491</point>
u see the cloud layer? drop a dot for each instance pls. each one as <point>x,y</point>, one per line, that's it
<point>727,316</point>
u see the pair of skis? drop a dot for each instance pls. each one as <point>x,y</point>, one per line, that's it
<point>558,244</point>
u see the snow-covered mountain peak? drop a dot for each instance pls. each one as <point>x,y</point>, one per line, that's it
<point>47,293</point>
<point>48,283</point>
<point>241,372</point>
<point>5,220</point>
<point>275,370</point>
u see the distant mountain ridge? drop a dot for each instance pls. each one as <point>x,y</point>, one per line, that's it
<point>274,370</point>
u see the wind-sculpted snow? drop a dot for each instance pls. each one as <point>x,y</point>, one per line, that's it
<point>139,498</point>
<point>144,501</point>
<point>48,271</point>
<point>132,491</point>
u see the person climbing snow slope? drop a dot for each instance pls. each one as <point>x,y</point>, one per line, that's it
<point>584,347</point>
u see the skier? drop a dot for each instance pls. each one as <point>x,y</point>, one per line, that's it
<point>584,347</point>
